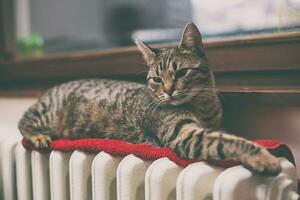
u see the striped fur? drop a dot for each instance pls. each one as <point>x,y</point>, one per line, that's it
<point>178,108</point>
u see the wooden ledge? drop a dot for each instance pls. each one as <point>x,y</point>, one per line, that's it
<point>263,53</point>
<point>229,95</point>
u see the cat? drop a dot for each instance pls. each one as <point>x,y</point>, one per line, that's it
<point>178,108</point>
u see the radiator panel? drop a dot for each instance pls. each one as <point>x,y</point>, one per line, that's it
<point>196,181</point>
<point>130,178</point>
<point>23,173</point>
<point>79,175</point>
<point>40,175</point>
<point>1,175</point>
<point>104,175</point>
<point>59,175</point>
<point>160,180</point>
<point>8,169</point>
<point>245,185</point>
<point>9,137</point>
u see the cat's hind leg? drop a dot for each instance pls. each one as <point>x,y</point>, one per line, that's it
<point>40,141</point>
<point>34,126</point>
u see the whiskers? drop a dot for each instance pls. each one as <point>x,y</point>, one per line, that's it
<point>180,97</point>
<point>164,97</point>
<point>195,93</point>
<point>151,107</point>
<point>142,72</point>
<point>207,92</point>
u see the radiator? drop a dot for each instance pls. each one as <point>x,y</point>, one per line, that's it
<point>78,175</point>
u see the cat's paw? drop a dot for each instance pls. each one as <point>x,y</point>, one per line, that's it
<point>263,163</point>
<point>40,141</point>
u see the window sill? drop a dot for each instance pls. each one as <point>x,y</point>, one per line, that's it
<point>270,60</point>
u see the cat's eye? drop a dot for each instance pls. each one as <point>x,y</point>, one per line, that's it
<point>174,66</point>
<point>180,73</point>
<point>157,79</point>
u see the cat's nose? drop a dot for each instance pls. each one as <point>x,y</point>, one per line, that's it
<point>168,88</point>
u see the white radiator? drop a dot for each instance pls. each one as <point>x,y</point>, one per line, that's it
<point>27,175</point>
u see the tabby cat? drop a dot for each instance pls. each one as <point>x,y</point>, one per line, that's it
<point>179,109</point>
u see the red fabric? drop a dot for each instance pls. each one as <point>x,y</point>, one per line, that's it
<point>150,152</point>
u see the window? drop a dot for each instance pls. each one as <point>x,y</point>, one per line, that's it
<point>45,27</point>
<point>42,40</point>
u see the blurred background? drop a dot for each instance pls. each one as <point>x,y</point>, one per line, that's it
<point>79,25</point>
<point>253,46</point>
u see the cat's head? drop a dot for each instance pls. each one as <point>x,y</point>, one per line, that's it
<point>176,75</point>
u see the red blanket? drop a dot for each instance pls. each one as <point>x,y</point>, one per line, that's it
<point>150,152</point>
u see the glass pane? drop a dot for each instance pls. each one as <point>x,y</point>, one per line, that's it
<point>56,26</point>
<point>239,17</point>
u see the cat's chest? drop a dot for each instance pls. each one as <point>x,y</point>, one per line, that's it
<point>198,112</point>
<point>209,116</point>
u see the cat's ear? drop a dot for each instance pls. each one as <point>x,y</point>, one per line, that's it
<point>148,53</point>
<point>191,39</point>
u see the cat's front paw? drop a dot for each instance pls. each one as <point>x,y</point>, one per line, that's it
<point>263,163</point>
<point>40,141</point>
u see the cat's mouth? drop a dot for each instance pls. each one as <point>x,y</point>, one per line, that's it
<point>174,99</point>
<point>180,100</point>
<point>176,102</point>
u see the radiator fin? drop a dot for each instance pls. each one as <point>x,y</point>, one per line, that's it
<point>104,174</point>
<point>196,181</point>
<point>247,186</point>
<point>130,178</point>
<point>80,175</point>
<point>23,172</point>
<point>160,180</point>
<point>59,175</point>
<point>8,169</point>
<point>40,175</point>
